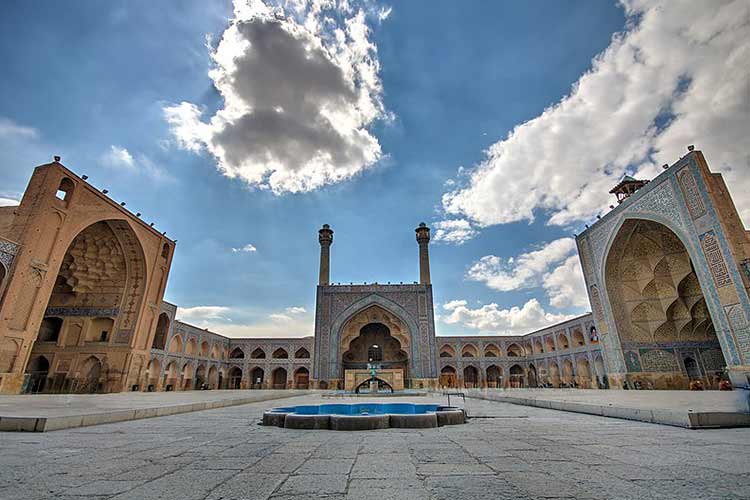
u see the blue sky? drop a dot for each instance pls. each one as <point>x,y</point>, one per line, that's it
<point>503,123</point>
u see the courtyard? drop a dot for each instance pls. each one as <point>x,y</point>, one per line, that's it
<point>506,451</point>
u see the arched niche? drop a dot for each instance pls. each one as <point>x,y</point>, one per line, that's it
<point>469,351</point>
<point>162,330</point>
<point>235,378</point>
<point>301,378</point>
<point>515,351</point>
<point>448,377</point>
<point>375,344</point>
<point>446,351</point>
<point>175,345</point>
<point>280,353</point>
<point>100,284</point>
<point>657,301</point>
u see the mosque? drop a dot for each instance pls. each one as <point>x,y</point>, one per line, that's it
<point>82,281</point>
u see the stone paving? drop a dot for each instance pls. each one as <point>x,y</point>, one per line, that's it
<point>514,452</point>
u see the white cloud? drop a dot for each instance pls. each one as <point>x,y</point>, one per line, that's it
<point>249,248</point>
<point>202,314</point>
<point>238,322</point>
<point>279,317</point>
<point>554,266</point>
<point>524,271</point>
<point>9,202</point>
<point>565,285</point>
<point>119,158</point>
<point>10,129</point>
<point>456,231</point>
<point>490,318</point>
<point>676,76</point>
<point>300,88</point>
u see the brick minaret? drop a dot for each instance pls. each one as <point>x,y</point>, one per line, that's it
<point>325,237</point>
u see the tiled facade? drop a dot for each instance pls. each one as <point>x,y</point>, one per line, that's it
<point>668,277</point>
<point>667,273</point>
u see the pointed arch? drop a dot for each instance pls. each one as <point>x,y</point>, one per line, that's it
<point>280,353</point>
<point>515,351</point>
<point>491,351</point>
<point>278,378</point>
<point>161,333</point>
<point>391,307</point>
<point>447,351</point>
<point>175,345</point>
<point>301,378</point>
<point>469,351</point>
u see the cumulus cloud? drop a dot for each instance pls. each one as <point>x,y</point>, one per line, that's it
<point>555,267</point>
<point>676,76</point>
<point>455,231</point>
<point>300,89</point>
<point>524,271</point>
<point>249,248</point>
<point>247,322</point>
<point>565,286</point>
<point>202,314</point>
<point>11,129</point>
<point>490,318</point>
<point>120,158</point>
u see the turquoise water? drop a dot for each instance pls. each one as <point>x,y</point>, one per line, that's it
<point>360,409</point>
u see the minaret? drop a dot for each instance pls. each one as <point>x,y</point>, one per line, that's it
<point>423,238</point>
<point>325,237</point>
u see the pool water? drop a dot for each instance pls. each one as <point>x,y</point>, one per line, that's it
<point>360,409</point>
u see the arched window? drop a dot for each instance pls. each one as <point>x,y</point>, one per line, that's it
<point>302,353</point>
<point>237,353</point>
<point>375,353</point>
<point>65,191</point>
<point>258,353</point>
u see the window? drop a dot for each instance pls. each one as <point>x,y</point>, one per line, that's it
<point>375,353</point>
<point>50,329</point>
<point>65,190</point>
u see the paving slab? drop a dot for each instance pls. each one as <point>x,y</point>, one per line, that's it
<point>222,454</point>
<point>50,412</point>
<point>690,409</point>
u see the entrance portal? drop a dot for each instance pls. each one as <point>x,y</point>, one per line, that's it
<point>658,306</point>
